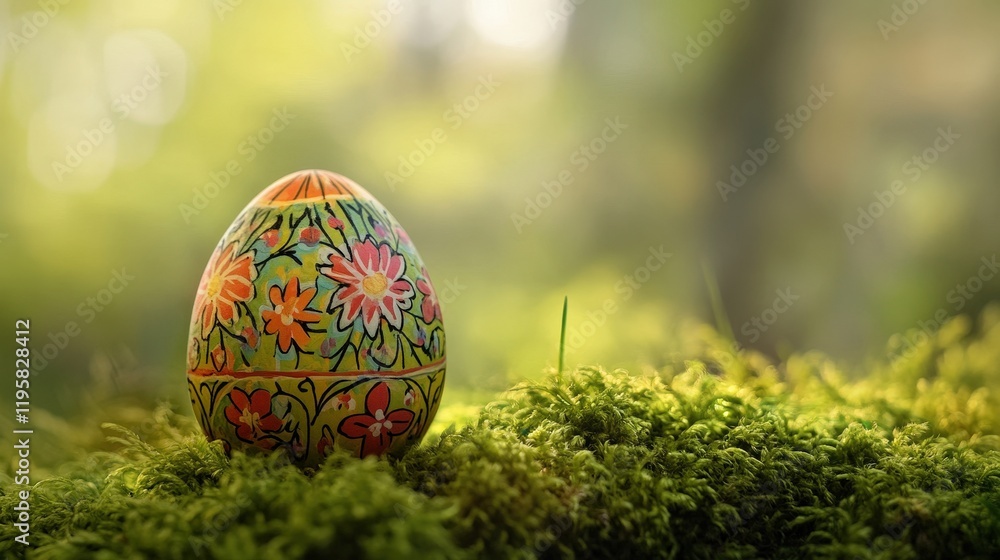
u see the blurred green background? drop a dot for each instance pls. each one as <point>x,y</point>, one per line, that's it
<point>532,149</point>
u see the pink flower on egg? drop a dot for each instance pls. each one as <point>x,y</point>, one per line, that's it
<point>372,286</point>
<point>430,308</point>
<point>404,238</point>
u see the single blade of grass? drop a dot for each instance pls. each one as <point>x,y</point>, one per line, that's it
<point>562,335</point>
<point>715,297</point>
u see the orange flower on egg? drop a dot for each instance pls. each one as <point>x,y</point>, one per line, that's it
<point>290,315</point>
<point>227,280</point>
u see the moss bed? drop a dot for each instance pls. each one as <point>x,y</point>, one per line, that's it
<point>723,456</point>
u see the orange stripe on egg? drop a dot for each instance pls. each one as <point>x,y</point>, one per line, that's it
<point>433,366</point>
<point>310,186</point>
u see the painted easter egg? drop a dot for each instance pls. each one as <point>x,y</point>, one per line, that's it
<point>316,327</point>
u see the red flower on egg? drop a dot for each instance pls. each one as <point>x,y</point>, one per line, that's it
<point>430,308</point>
<point>378,425</point>
<point>346,401</point>
<point>328,348</point>
<point>310,235</point>
<point>251,414</point>
<point>270,237</point>
<point>227,280</point>
<point>372,285</point>
<point>335,222</point>
<point>251,336</point>
<point>290,314</point>
<point>193,348</point>
<point>325,443</point>
<point>404,238</point>
<point>222,358</point>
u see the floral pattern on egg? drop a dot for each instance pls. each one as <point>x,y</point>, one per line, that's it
<point>316,326</point>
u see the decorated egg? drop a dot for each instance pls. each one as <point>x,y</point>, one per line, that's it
<point>316,327</point>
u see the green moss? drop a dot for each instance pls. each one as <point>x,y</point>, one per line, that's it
<point>727,456</point>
